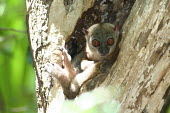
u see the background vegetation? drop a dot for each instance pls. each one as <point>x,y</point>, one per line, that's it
<point>17,78</point>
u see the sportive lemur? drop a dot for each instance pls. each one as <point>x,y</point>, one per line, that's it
<point>101,41</point>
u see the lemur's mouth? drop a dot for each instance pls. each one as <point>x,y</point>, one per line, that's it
<point>103,55</point>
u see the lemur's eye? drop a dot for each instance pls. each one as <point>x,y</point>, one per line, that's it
<point>110,41</point>
<point>95,43</point>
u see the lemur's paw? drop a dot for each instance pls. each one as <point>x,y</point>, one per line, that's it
<point>53,69</point>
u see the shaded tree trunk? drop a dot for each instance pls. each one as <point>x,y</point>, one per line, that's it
<point>142,68</point>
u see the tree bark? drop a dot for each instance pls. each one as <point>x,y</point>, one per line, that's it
<point>143,65</point>
<point>142,68</point>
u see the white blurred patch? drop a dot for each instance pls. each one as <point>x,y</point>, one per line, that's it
<point>2,8</point>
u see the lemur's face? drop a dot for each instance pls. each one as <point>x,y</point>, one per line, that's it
<point>102,40</point>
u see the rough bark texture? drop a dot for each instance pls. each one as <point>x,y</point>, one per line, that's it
<point>142,69</point>
<point>45,35</point>
<point>143,65</point>
<point>37,23</point>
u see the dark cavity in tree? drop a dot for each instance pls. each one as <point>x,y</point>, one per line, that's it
<point>103,11</point>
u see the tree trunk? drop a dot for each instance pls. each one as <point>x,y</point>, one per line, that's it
<point>143,65</point>
<point>142,68</point>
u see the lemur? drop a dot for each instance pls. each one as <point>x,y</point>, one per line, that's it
<point>101,42</point>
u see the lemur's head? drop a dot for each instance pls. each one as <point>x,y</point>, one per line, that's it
<point>101,40</point>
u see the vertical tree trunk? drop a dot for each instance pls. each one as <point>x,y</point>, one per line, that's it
<point>142,69</point>
<point>143,65</point>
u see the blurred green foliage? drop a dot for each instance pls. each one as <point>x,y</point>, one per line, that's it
<point>17,77</point>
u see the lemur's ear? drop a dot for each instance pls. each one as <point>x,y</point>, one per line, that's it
<point>85,31</point>
<point>116,30</point>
